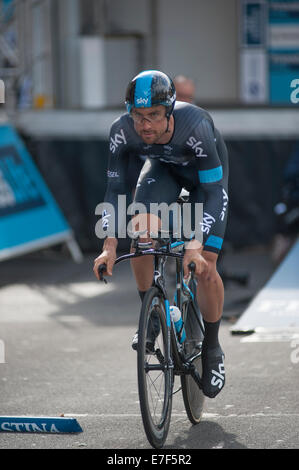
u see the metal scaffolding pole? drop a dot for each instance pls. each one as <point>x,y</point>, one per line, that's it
<point>26,62</point>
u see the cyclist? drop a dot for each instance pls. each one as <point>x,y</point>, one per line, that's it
<point>183,149</point>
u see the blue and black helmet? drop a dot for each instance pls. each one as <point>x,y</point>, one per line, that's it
<point>150,88</point>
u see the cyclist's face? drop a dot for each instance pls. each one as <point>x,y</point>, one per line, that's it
<point>150,123</point>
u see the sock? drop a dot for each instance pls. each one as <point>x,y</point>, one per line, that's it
<point>141,294</point>
<point>211,334</point>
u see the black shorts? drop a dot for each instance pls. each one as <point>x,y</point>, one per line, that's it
<point>159,183</point>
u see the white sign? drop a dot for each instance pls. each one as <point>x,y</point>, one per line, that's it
<point>254,72</point>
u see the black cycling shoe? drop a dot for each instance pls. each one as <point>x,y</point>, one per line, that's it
<point>150,345</point>
<point>153,331</point>
<point>213,376</point>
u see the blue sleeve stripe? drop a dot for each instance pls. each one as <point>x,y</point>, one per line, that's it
<point>210,176</point>
<point>215,242</point>
<point>143,95</point>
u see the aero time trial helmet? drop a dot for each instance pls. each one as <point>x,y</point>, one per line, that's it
<point>150,88</point>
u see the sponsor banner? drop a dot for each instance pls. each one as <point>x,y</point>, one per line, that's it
<point>29,216</point>
<point>39,424</point>
<point>269,50</point>
<point>283,47</point>
<point>283,72</point>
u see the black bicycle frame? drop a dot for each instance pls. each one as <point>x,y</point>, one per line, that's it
<point>160,256</point>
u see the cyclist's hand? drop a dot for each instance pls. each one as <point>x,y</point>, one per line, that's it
<point>193,254</point>
<point>107,257</point>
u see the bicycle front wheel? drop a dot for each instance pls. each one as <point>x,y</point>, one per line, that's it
<point>155,378</point>
<point>192,395</point>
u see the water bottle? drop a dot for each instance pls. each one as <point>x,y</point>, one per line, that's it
<point>178,323</point>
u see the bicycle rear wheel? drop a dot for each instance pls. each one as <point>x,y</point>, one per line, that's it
<point>192,395</point>
<point>155,379</point>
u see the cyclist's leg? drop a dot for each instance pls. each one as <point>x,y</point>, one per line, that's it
<point>155,185</point>
<point>210,297</point>
<point>210,289</point>
<point>143,267</point>
<point>210,294</point>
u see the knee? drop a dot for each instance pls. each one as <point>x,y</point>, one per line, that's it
<point>209,277</point>
<point>146,224</point>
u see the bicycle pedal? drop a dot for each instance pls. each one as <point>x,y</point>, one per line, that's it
<point>150,348</point>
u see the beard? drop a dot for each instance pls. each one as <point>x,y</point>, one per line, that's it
<point>153,136</point>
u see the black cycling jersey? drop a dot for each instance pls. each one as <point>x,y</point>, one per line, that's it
<point>195,159</point>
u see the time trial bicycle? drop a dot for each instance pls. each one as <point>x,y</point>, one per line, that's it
<point>161,354</point>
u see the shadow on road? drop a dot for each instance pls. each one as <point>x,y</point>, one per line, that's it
<point>206,435</point>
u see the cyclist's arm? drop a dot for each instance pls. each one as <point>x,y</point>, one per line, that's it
<point>114,213</point>
<point>113,219</point>
<point>107,257</point>
<point>212,176</point>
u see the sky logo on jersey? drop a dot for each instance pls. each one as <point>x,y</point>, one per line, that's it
<point>105,219</point>
<point>207,222</point>
<point>196,146</point>
<point>225,204</point>
<point>117,140</point>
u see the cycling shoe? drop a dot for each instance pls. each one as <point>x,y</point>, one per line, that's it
<point>150,345</point>
<point>213,376</point>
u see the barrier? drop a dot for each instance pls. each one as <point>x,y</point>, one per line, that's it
<point>39,424</point>
<point>30,219</point>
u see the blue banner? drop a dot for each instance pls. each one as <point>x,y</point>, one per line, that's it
<point>29,216</point>
<point>283,41</point>
<point>39,424</point>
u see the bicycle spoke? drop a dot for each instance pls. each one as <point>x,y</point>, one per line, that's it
<point>155,386</point>
<point>156,400</point>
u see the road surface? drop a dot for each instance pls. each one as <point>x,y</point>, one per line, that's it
<point>66,343</point>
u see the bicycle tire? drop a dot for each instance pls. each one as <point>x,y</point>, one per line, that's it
<point>155,414</point>
<point>193,396</point>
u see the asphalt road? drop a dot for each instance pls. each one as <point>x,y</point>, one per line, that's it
<point>67,351</point>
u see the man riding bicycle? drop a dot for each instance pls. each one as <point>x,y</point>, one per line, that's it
<point>182,149</point>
